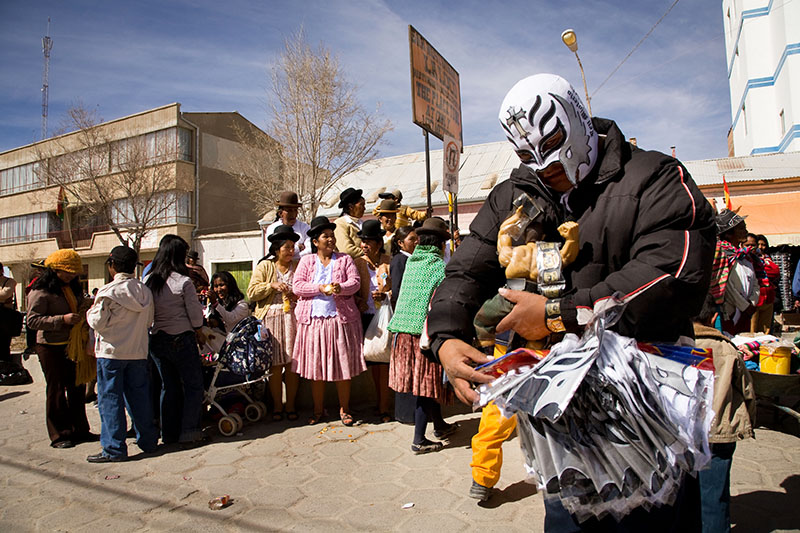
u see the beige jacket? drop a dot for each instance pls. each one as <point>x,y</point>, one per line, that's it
<point>347,240</point>
<point>7,289</point>
<point>734,402</point>
<point>260,288</point>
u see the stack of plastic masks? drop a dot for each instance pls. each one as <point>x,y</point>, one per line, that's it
<point>607,425</point>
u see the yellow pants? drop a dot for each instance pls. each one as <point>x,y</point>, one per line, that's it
<point>487,451</point>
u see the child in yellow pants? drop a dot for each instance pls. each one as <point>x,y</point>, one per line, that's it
<point>487,450</point>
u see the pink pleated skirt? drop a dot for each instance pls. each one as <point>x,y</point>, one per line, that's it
<point>328,350</point>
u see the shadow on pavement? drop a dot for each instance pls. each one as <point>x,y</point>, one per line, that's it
<point>762,510</point>
<point>14,394</point>
<point>513,493</point>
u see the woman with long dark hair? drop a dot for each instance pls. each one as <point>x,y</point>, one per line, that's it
<point>173,342</point>
<point>271,289</point>
<point>226,300</point>
<point>404,241</point>
<point>54,306</point>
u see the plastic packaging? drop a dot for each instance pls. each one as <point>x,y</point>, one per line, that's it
<point>219,502</point>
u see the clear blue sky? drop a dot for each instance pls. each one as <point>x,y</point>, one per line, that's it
<point>126,57</point>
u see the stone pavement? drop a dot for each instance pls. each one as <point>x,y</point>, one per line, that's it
<point>292,477</point>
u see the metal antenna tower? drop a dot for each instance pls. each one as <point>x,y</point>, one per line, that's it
<point>47,45</point>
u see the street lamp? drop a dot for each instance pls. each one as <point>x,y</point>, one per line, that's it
<point>571,40</point>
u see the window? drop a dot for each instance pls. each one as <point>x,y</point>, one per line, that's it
<point>782,117</point>
<point>33,227</point>
<point>184,144</point>
<point>744,118</point>
<point>168,208</point>
<point>20,178</point>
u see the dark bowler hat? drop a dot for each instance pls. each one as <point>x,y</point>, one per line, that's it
<point>193,255</point>
<point>727,220</point>
<point>395,194</point>
<point>371,230</point>
<point>434,226</point>
<point>318,225</point>
<point>288,199</point>
<point>349,196</point>
<point>284,233</point>
<point>387,206</point>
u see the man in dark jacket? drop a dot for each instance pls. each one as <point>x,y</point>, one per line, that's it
<point>645,230</point>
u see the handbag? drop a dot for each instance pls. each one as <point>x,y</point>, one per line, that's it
<point>378,338</point>
<point>10,318</point>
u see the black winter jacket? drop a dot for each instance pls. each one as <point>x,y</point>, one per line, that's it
<point>643,224</point>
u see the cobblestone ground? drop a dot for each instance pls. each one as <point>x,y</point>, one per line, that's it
<point>310,478</point>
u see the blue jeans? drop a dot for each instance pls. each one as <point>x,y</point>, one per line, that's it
<point>178,361</point>
<point>715,489</point>
<point>120,384</point>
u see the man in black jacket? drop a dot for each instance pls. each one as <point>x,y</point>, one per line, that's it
<point>645,230</point>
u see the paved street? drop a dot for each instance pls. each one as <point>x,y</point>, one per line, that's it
<point>283,476</point>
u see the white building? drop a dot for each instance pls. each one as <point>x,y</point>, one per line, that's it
<point>762,45</point>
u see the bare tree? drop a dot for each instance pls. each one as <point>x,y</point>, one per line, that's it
<point>258,167</point>
<point>125,184</point>
<point>321,129</point>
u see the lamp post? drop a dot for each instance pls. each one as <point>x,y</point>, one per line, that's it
<point>571,40</point>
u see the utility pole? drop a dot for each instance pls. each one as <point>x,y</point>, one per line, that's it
<point>47,45</point>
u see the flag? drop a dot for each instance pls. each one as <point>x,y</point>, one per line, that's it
<point>728,204</point>
<point>62,203</point>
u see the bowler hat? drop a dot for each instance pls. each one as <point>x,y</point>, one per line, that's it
<point>318,225</point>
<point>396,194</point>
<point>727,220</point>
<point>193,255</point>
<point>284,233</point>
<point>349,196</point>
<point>288,199</point>
<point>434,226</point>
<point>371,230</point>
<point>387,206</point>
<point>124,258</point>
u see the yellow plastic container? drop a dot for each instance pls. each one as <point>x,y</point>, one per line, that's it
<point>775,360</point>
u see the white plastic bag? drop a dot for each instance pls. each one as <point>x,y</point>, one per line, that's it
<point>378,339</point>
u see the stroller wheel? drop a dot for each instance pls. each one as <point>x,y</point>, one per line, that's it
<point>239,421</point>
<point>263,407</point>
<point>228,426</point>
<point>253,412</point>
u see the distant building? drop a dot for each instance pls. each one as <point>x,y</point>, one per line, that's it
<point>208,202</point>
<point>762,46</point>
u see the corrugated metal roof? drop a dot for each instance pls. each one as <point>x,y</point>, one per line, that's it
<point>480,164</point>
<point>485,165</point>
<point>745,168</point>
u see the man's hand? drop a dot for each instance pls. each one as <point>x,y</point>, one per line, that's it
<point>72,318</point>
<point>527,318</point>
<point>455,356</point>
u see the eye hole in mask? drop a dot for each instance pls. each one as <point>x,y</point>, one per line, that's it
<point>553,140</point>
<point>526,156</point>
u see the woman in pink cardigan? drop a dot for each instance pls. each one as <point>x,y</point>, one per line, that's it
<point>329,341</point>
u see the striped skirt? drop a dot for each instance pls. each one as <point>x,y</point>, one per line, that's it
<point>411,372</point>
<point>328,350</point>
<point>283,327</point>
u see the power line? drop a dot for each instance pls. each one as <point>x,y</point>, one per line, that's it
<point>646,35</point>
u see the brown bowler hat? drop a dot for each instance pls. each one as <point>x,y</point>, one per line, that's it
<point>387,206</point>
<point>288,199</point>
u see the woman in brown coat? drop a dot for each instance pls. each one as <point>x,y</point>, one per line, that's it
<point>54,305</point>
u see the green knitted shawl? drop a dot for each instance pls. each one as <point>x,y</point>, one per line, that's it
<point>424,272</point>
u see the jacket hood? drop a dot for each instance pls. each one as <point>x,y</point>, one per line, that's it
<point>128,292</point>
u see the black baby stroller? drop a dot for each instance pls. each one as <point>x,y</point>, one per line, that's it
<point>243,360</point>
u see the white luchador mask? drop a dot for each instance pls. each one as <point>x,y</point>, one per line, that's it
<point>546,121</point>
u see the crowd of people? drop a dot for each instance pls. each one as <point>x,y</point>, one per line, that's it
<point>645,232</point>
